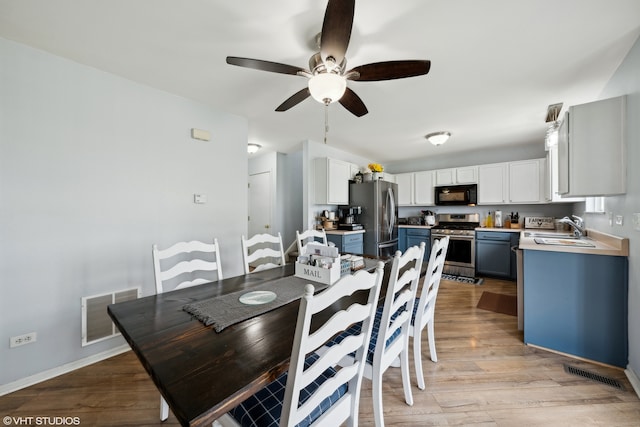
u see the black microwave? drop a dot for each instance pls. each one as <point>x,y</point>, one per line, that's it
<point>456,195</point>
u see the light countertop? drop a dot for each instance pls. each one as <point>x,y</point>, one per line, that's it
<point>604,244</point>
<point>415,226</point>
<point>344,232</point>
<point>507,230</point>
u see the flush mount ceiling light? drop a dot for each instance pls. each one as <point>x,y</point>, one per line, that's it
<point>327,87</point>
<point>438,138</point>
<point>252,148</point>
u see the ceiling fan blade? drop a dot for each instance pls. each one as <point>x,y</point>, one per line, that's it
<point>294,99</point>
<point>353,103</point>
<point>258,64</point>
<point>390,70</point>
<point>336,29</point>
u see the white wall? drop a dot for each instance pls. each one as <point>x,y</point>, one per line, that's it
<point>626,80</point>
<point>94,169</point>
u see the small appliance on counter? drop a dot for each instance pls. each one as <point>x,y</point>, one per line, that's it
<point>540,222</point>
<point>348,218</point>
<point>414,220</point>
<point>328,220</point>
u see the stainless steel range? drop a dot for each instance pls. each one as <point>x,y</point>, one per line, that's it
<point>461,254</point>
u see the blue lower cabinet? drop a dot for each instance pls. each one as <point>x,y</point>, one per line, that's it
<point>402,239</point>
<point>494,256</point>
<point>348,243</point>
<point>577,304</point>
<point>415,236</point>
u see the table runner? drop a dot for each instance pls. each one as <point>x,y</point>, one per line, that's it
<point>227,310</point>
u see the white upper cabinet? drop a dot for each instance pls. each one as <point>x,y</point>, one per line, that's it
<point>332,181</point>
<point>405,188</point>
<point>592,149</point>
<point>423,188</point>
<point>463,175</point>
<point>415,188</point>
<point>493,184</point>
<point>526,181</point>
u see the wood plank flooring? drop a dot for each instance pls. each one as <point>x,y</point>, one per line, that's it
<point>485,376</point>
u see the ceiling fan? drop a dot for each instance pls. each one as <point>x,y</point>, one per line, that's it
<point>327,76</point>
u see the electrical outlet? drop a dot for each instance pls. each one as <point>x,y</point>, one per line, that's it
<point>619,219</point>
<point>19,340</point>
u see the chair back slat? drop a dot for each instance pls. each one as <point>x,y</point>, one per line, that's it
<point>261,252</point>
<point>170,263</point>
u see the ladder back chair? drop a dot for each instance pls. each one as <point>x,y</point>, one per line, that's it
<point>315,390</point>
<point>261,252</point>
<point>424,307</point>
<point>181,259</point>
<point>302,239</point>
<point>390,336</point>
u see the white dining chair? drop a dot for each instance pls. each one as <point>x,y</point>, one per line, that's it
<point>315,391</point>
<point>261,252</point>
<point>390,337</point>
<point>308,236</point>
<point>170,266</point>
<point>424,307</point>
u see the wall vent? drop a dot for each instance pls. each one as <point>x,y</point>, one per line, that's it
<point>96,323</point>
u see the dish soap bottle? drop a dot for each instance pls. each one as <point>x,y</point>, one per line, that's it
<point>489,221</point>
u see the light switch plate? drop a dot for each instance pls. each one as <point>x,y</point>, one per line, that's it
<point>200,198</point>
<point>619,219</point>
<point>636,221</point>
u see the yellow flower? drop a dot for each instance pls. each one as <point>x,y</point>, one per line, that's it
<point>375,167</point>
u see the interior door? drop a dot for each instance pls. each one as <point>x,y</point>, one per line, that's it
<point>259,203</point>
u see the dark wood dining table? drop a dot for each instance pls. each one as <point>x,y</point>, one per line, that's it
<point>201,373</point>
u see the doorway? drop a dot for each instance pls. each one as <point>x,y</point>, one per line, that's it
<point>260,204</point>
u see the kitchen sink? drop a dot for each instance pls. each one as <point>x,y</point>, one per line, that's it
<point>564,241</point>
<point>550,235</point>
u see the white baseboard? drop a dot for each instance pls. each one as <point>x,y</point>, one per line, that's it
<point>54,372</point>
<point>633,379</point>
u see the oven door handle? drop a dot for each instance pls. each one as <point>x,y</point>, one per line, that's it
<point>453,236</point>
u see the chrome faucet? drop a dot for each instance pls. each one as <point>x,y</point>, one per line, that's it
<point>577,224</point>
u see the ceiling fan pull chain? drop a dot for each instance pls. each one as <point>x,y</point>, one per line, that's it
<point>326,121</point>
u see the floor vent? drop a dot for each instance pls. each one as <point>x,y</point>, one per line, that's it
<point>593,376</point>
<point>96,323</point>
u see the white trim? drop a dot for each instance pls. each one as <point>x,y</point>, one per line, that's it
<point>63,369</point>
<point>633,379</point>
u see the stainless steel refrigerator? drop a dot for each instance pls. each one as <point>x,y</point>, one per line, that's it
<point>379,203</point>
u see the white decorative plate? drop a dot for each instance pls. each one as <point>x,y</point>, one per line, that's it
<point>257,297</point>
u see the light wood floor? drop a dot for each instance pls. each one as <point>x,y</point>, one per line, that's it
<point>485,376</point>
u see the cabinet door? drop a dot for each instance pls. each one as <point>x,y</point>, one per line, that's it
<point>597,164</point>
<point>493,258</point>
<point>445,176</point>
<point>525,183</point>
<point>423,188</point>
<point>467,175</point>
<point>563,156</point>
<point>405,188</point>
<point>338,174</point>
<point>492,184</point>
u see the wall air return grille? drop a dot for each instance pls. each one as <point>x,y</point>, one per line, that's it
<point>96,323</point>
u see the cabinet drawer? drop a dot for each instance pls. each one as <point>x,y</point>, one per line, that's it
<point>493,235</point>
<point>419,232</point>
<point>352,238</point>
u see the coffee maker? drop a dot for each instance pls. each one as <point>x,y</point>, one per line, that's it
<point>348,218</point>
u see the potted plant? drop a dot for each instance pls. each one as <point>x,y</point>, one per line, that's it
<point>376,169</point>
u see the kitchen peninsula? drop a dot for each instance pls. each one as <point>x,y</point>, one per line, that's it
<point>575,295</point>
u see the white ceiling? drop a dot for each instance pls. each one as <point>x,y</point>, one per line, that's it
<point>495,64</point>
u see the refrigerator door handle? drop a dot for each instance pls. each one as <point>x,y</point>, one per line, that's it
<point>391,207</point>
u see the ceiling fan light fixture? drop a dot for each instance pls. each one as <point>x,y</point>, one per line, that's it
<point>327,87</point>
<point>253,148</point>
<point>438,138</point>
